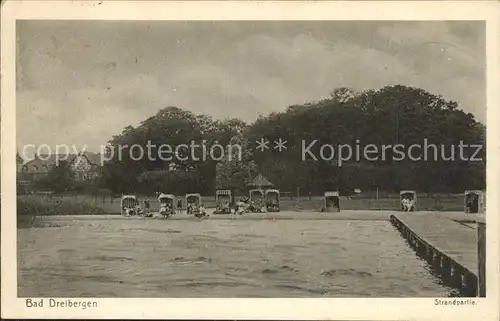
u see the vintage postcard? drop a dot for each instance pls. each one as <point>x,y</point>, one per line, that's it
<point>250,160</point>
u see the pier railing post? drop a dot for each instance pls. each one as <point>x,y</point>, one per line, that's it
<point>481,254</point>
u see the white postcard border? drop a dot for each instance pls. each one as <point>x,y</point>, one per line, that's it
<point>298,309</point>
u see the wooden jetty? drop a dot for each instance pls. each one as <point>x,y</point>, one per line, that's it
<point>453,246</point>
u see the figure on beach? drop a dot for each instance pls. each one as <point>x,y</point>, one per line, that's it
<point>241,206</point>
<point>407,204</point>
<point>202,210</point>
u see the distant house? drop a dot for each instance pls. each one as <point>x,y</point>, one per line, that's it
<point>85,166</point>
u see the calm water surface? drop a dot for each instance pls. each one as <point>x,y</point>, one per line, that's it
<point>221,258</point>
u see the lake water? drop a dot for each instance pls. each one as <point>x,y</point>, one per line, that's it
<point>221,258</point>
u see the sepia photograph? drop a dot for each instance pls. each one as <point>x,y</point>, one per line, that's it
<point>249,159</point>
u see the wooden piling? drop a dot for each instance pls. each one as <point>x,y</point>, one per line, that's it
<point>445,268</point>
<point>471,285</point>
<point>436,260</point>
<point>456,276</point>
<point>481,253</point>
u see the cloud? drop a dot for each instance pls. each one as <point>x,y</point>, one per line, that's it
<point>81,82</point>
<point>451,65</point>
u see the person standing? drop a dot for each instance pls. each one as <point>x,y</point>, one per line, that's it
<point>179,206</point>
<point>146,207</point>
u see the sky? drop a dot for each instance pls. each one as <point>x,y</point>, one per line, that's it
<point>81,82</point>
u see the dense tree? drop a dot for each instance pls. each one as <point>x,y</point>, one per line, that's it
<point>176,145</point>
<point>236,170</point>
<point>389,116</point>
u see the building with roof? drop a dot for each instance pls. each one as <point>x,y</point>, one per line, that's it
<point>19,163</point>
<point>260,182</point>
<point>85,166</point>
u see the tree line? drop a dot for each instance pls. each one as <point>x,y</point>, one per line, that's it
<point>391,115</point>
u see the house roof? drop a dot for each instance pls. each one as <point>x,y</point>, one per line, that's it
<point>93,158</point>
<point>260,181</point>
<point>52,159</point>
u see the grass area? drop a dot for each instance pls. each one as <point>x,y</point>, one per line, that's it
<point>31,209</point>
